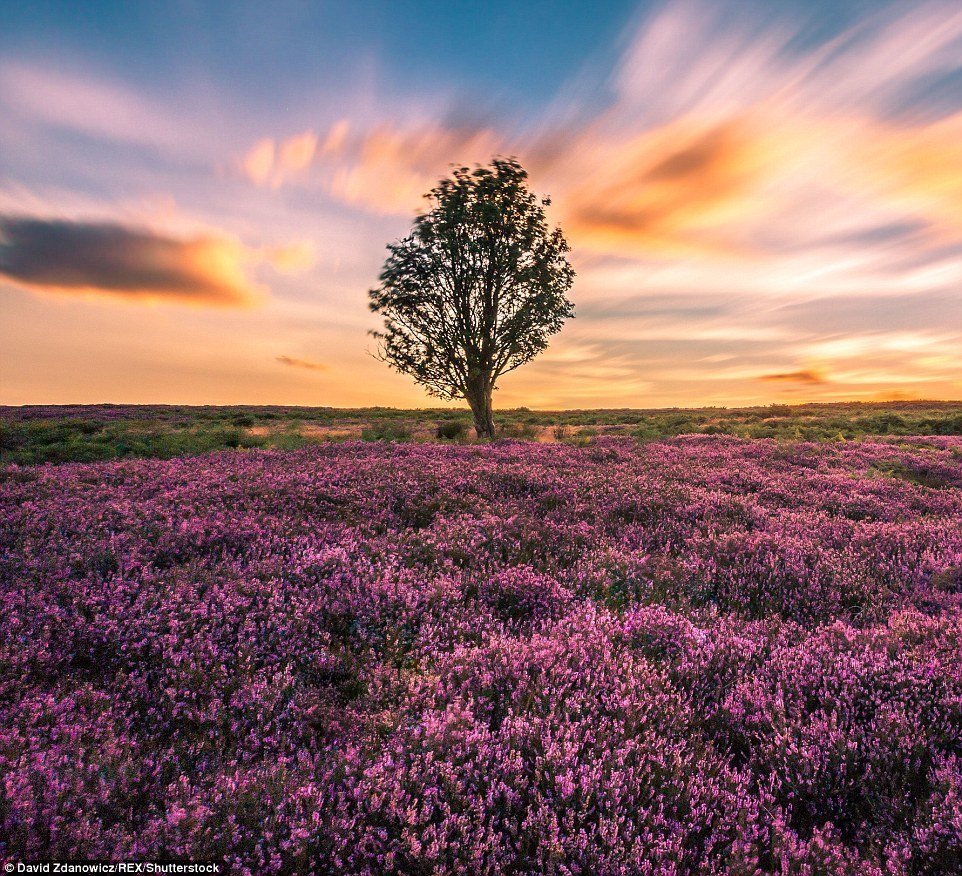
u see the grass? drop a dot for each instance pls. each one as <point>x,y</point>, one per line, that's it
<point>85,433</point>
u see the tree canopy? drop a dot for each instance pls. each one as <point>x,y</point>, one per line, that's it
<point>477,287</point>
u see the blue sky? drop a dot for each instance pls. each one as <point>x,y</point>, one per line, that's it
<point>257,158</point>
<point>520,51</point>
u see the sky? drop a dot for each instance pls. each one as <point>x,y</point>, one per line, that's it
<point>763,198</point>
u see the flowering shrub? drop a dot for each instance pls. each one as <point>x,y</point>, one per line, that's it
<point>700,656</point>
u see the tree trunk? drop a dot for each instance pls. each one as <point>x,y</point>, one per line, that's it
<point>478,397</point>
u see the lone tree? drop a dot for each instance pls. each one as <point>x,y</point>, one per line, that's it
<point>477,287</point>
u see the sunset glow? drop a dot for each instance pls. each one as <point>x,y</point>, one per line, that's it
<point>764,200</point>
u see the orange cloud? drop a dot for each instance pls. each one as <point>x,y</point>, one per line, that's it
<point>259,162</point>
<point>810,378</point>
<point>690,186</point>
<point>894,395</point>
<point>718,140</point>
<point>674,189</point>
<point>293,258</point>
<point>271,162</point>
<point>68,257</point>
<point>336,138</point>
<point>921,169</point>
<point>297,152</point>
<point>309,364</point>
<point>385,170</point>
<point>389,170</point>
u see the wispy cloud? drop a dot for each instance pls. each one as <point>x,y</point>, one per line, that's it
<point>719,127</point>
<point>94,107</point>
<point>809,378</point>
<point>259,162</point>
<point>293,258</point>
<point>74,257</point>
<point>384,169</point>
<point>295,362</point>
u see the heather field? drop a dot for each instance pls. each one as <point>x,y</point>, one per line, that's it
<point>696,655</point>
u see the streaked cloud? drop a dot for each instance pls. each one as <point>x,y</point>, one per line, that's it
<point>92,106</point>
<point>295,362</point>
<point>675,190</point>
<point>274,162</point>
<point>810,378</point>
<point>718,129</point>
<point>296,152</point>
<point>385,169</point>
<point>259,162</point>
<point>293,258</point>
<point>73,257</point>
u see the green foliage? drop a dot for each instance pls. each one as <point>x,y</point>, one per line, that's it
<point>647,431</point>
<point>32,435</point>
<point>386,432</point>
<point>520,430</point>
<point>942,426</point>
<point>919,475</point>
<point>779,410</point>
<point>38,441</point>
<point>451,430</point>
<point>575,436</point>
